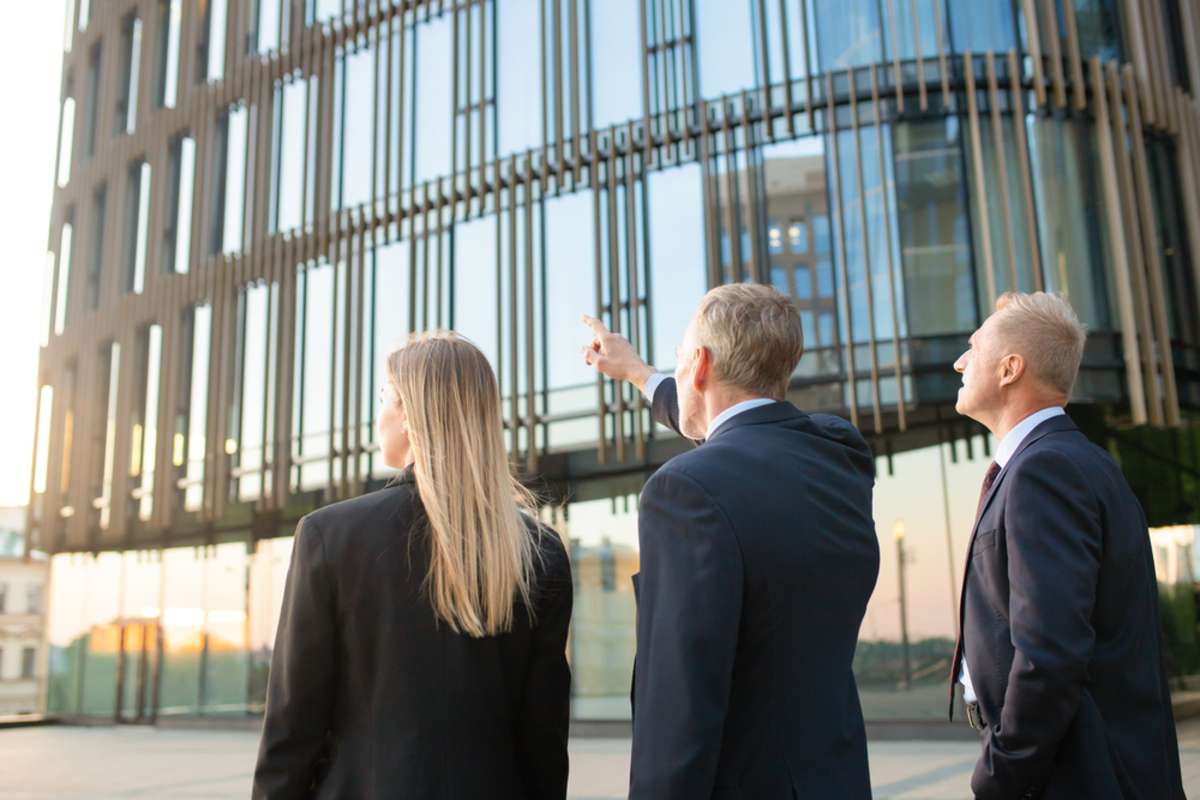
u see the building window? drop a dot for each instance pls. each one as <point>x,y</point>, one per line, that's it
<point>138,212</point>
<point>106,435</point>
<point>96,262</point>
<point>269,25</point>
<point>215,51</point>
<point>291,156</point>
<point>354,130</point>
<point>68,405</point>
<point>42,451</point>
<point>188,445</point>
<point>92,100</point>
<point>131,57</point>
<point>28,658</point>
<point>177,236</point>
<point>63,281</point>
<point>320,10</point>
<point>170,14</point>
<point>33,600</point>
<point>144,428</point>
<point>251,417</point>
<point>85,14</point>
<point>230,222</point>
<point>69,27</point>
<point>66,140</point>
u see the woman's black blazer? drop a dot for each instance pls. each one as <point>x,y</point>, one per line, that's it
<point>370,696</point>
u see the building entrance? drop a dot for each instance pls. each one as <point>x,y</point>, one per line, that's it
<point>138,660</point>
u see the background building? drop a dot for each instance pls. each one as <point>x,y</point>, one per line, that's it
<point>22,617</point>
<point>257,198</point>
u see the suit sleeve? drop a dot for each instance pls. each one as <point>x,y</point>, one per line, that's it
<point>665,405</point>
<point>689,607</point>
<point>300,690</point>
<point>1054,540</point>
<point>546,709</point>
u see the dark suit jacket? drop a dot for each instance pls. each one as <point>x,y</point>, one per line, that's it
<point>1060,626</point>
<point>371,697</point>
<point>758,556</point>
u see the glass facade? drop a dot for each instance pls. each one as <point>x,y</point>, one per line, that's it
<point>357,172</point>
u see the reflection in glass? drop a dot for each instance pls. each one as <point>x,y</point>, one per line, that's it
<point>182,619</point>
<point>66,140</point>
<point>602,537</point>
<point>288,163</point>
<point>191,425</point>
<point>139,220</point>
<point>108,432</point>
<point>1068,199</point>
<point>314,357</point>
<point>616,62</point>
<point>678,276</point>
<point>103,637</point>
<point>131,56</point>
<point>519,112</point>
<point>933,228</point>
<point>216,40</point>
<point>981,25</point>
<point>475,285</point>
<point>143,452</point>
<point>353,145</point>
<point>233,176</point>
<point>845,34</point>
<point>178,234</point>
<point>257,381</point>
<point>42,438</point>
<point>170,16</point>
<point>728,43</point>
<point>225,654</point>
<point>1099,26</point>
<point>1177,278</point>
<point>433,98</point>
<point>66,631</point>
<point>65,255</point>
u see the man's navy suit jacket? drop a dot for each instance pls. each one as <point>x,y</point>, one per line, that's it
<point>758,556</point>
<point>1060,625</point>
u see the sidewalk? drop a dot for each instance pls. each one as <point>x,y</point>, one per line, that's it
<point>63,761</point>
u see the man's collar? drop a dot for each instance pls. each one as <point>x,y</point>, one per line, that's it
<point>733,411</point>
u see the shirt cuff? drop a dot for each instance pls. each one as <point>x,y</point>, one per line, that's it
<point>652,384</point>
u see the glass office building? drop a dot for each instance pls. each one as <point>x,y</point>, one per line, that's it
<point>257,198</point>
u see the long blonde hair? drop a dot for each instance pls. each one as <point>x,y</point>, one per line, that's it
<point>481,552</point>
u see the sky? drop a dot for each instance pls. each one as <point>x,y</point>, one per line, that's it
<point>30,68</point>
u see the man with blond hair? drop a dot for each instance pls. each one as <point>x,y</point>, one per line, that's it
<point>1059,654</point>
<point>758,555</point>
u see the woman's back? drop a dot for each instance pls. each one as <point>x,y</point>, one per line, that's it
<point>372,695</point>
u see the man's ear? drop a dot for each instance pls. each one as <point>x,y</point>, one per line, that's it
<point>702,361</point>
<point>1012,367</point>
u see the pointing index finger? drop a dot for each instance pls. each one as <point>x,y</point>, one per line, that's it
<point>596,325</point>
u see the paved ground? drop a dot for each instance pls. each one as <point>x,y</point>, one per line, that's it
<point>73,762</point>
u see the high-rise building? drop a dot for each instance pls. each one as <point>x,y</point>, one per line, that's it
<point>258,198</point>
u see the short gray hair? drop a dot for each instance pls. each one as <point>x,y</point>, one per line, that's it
<point>754,335</point>
<point>1044,329</point>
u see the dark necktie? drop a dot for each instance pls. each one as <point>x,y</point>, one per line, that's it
<point>988,480</point>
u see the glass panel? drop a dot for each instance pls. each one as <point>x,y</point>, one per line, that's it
<point>42,451</point>
<point>99,226</point>
<point>170,16</point>
<point>216,40</point>
<point>727,42</point>
<point>68,405</point>
<point>104,636</point>
<point>268,25</point>
<point>315,357</point>
<point>146,456</point>
<point>616,62</point>
<point>93,101</point>
<point>69,26</point>
<point>182,631</point>
<point>433,99</point>
<point>980,25</point>
<point>85,15</point>
<point>226,663</point>
<point>1099,26</point>
<point>602,536</point>
<point>570,292</point>
<point>518,68</point>
<point>321,10</point>
<point>47,320</point>
<point>289,164</point>
<point>845,34</point>
<point>776,31</point>
<point>933,228</point>
<point>390,303</point>
<point>475,278</point>
<point>679,277</point>
<point>139,211</point>
<point>268,574</point>
<point>907,637</point>
<point>257,376</point>
<point>178,239</point>
<point>65,255</point>
<point>1178,279</point>
<point>234,178</point>
<point>135,58</point>
<point>1068,195</point>
<point>197,424</point>
<point>356,165</point>
<point>109,431</point>
<point>66,140</point>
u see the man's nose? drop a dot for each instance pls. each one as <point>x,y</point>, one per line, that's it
<point>961,364</point>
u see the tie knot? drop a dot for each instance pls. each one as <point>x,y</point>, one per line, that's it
<point>990,477</point>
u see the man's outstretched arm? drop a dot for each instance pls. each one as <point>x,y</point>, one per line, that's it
<point>611,354</point>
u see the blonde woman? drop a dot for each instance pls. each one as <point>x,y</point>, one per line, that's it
<point>421,646</point>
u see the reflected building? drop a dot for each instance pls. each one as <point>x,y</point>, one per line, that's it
<point>257,198</point>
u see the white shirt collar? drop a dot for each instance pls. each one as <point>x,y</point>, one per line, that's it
<point>1012,440</point>
<point>734,410</point>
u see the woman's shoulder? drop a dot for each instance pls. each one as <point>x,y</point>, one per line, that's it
<point>552,562</point>
<point>365,512</point>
